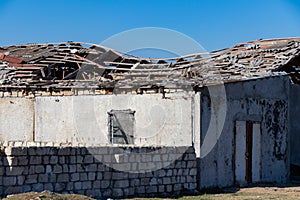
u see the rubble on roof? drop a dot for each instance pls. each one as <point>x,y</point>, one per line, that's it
<point>65,66</point>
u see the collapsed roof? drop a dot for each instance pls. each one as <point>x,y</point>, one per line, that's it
<point>69,65</point>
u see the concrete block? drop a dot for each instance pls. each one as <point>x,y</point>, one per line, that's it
<point>78,185</point>
<point>19,151</point>
<point>105,184</point>
<point>79,168</point>
<point>48,186</point>
<point>20,180</point>
<point>61,160</point>
<point>70,186</point>
<point>13,190</point>
<point>63,178</point>
<point>38,187</point>
<point>72,168</point>
<point>31,169</point>
<point>140,190</point>
<point>35,160</point>
<point>99,175</point>
<point>79,159</point>
<point>65,168</point>
<point>193,172</point>
<point>86,185</point>
<point>57,169</point>
<point>88,159</point>
<point>43,178</point>
<point>119,175</point>
<point>161,188</point>
<point>145,181</point>
<point>75,177</point>
<point>59,187</point>
<point>83,177</point>
<point>39,169</point>
<point>134,182</point>
<point>117,192</point>
<point>53,160</point>
<point>14,171</point>
<point>91,167</point>
<point>166,180</point>
<point>151,189</point>
<point>52,177</point>
<point>156,158</point>
<point>121,184</point>
<point>32,178</point>
<point>72,159</point>
<point>91,176</point>
<point>64,151</point>
<point>177,187</point>
<point>48,169</point>
<point>9,181</point>
<point>46,160</point>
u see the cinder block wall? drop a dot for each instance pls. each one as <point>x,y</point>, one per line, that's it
<point>99,172</point>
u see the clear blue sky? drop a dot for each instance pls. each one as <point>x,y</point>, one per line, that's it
<point>215,24</point>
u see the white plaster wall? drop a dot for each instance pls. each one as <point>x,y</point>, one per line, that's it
<point>264,100</point>
<point>158,121</point>
<point>16,119</point>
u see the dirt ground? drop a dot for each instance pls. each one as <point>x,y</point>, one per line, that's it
<point>258,192</point>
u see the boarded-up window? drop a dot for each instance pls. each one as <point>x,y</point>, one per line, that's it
<point>121,126</point>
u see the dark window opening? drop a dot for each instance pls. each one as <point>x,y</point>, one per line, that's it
<point>121,126</point>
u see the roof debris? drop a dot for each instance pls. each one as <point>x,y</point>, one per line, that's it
<point>75,65</point>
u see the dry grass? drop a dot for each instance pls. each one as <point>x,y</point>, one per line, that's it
<point>262,192</point>
<point>46,196</point>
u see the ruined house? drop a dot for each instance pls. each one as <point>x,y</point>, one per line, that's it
<point>232,111</point>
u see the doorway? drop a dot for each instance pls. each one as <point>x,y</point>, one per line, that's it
<point>247,152</point>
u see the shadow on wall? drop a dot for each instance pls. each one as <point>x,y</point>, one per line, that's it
<point>99,172</point>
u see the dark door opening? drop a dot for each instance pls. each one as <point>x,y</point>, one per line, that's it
<point>247,152</point>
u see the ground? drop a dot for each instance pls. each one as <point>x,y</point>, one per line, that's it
<point>261,192</point>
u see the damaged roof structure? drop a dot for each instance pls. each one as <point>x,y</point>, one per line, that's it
<point>74,65</point>
<point>245,132</point>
